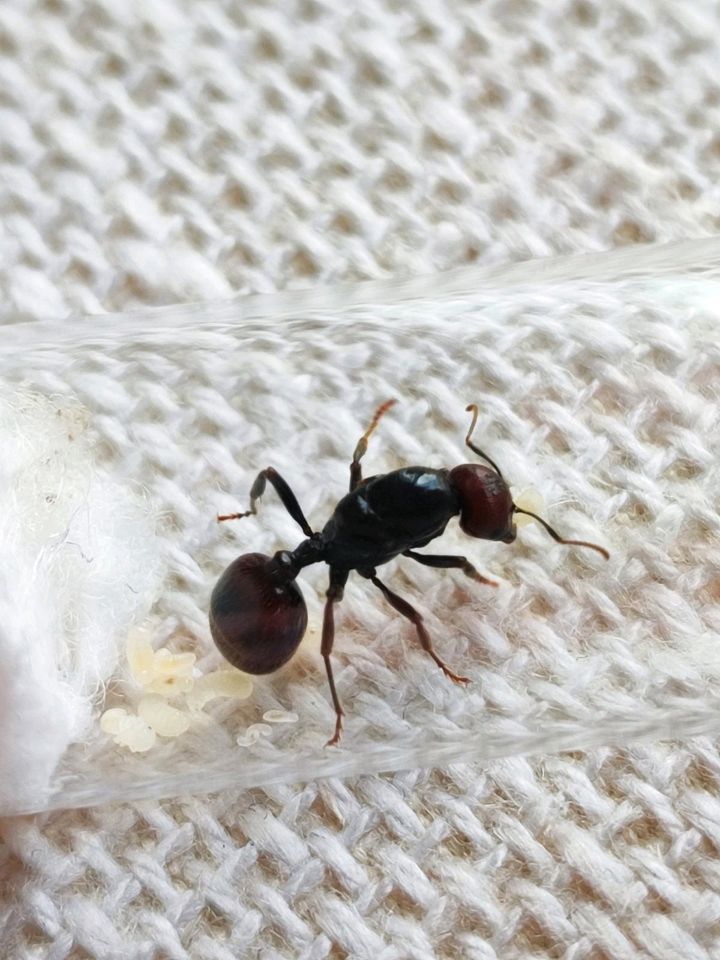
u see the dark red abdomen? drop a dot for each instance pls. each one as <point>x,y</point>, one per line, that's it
<point>257,618</point>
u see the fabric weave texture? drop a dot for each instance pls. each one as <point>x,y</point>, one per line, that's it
<point>173,152</point>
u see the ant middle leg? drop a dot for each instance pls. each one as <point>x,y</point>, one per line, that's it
<point>288,498</point>
<point>335,591</point>
<point>362,444</point>
<point>447,562</point>
<point>403,607</point>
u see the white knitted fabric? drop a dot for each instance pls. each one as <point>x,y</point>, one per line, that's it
<point>189,151</point>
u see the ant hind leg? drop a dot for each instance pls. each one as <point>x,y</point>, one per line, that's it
<point>288,498</point>
<point>338,578</point>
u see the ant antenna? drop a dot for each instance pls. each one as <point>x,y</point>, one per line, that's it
<point>477,450</point>
<point>558,538</point>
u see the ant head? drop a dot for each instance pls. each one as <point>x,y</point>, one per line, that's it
<point>486,505</point>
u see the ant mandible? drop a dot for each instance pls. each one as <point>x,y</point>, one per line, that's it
<point>257,612</point>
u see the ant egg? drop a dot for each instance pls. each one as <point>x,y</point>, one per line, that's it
<point>128,730</point>
<point>253,734</point>
<point>140,654</point>
<point>529,499</point>
<point>280,716</point>
<point>110,721</point>
<point>165,720</point>
<point>159,671</point>
<point>219,683</point>
<point>170,685</point>
<point>136,735</point>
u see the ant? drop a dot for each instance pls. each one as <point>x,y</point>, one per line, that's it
<point>257,612</point>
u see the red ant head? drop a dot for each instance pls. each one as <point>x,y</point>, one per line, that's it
<point>486,505</point>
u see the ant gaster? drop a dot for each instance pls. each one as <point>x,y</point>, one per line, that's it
<point>257,612</point>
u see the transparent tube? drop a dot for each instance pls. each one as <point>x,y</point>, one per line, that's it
<point>596,379</point>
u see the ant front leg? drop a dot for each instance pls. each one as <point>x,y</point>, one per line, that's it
<point>447,562</point>
<point>403,607</point>
<point>286,495</point>
<point>338,579</point>
<point>362,444</point>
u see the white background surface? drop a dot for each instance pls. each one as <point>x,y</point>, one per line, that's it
<point>188,151</point>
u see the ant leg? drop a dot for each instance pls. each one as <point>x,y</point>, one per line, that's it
<point>462,563</point>
<point>334,593</point>
<point>362,444</point>
<point>403,607</point>
<point>288,498</point>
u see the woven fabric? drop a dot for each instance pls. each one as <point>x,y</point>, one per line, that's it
<point>188,151</point>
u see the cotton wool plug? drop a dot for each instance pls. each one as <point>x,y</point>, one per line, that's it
<point>81,564</point>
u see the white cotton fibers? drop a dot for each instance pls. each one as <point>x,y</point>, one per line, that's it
<point>79,565</point>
